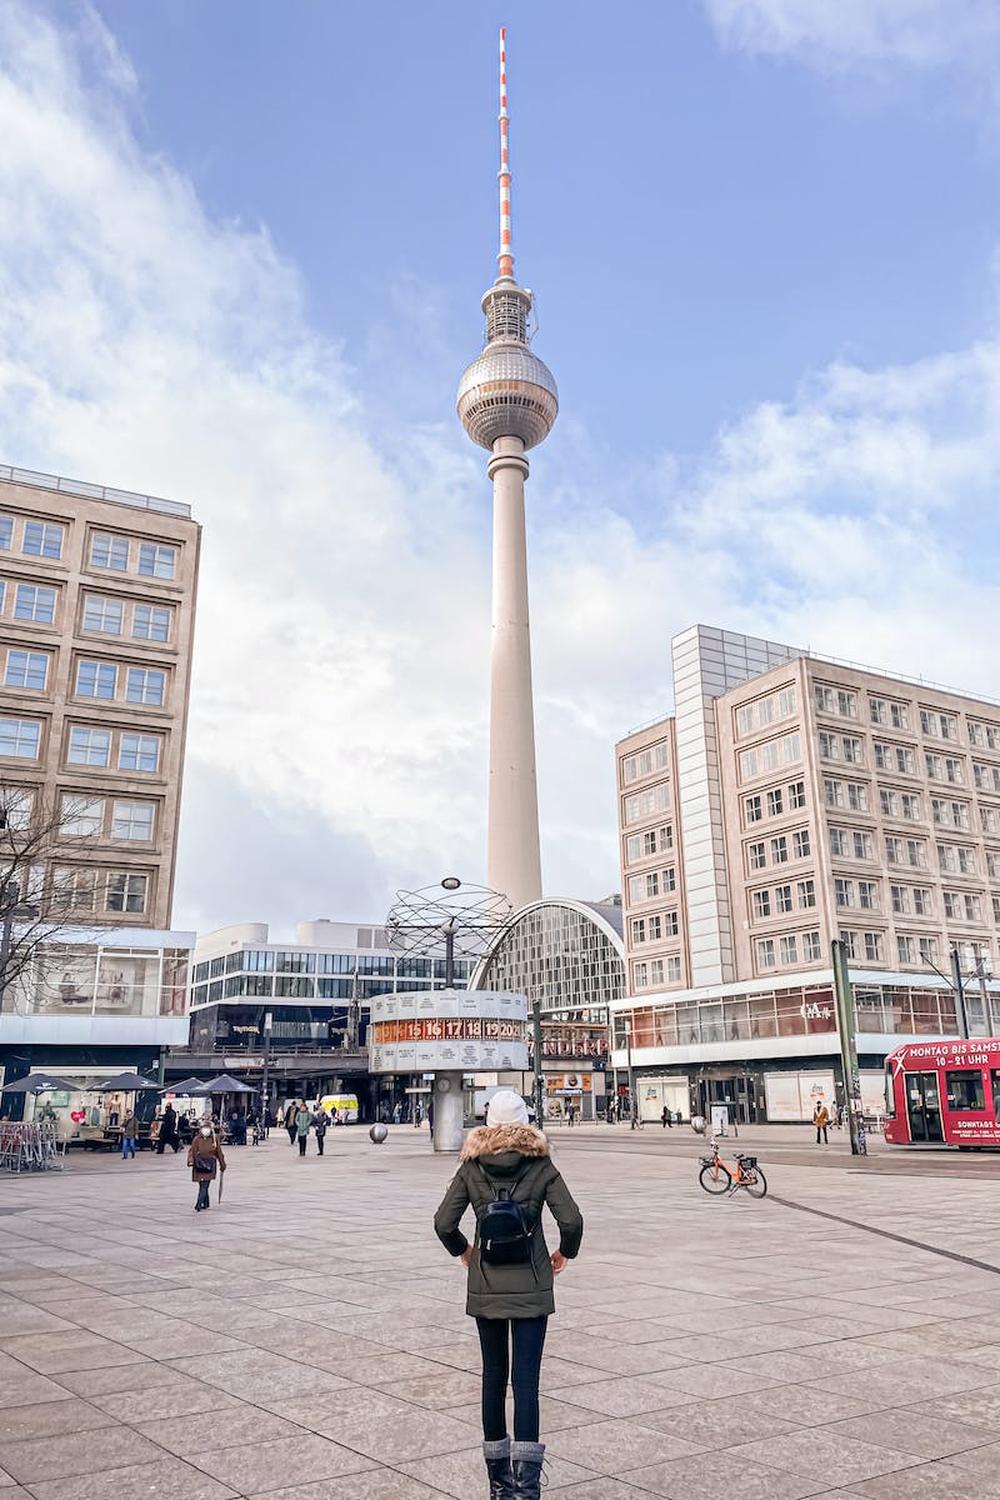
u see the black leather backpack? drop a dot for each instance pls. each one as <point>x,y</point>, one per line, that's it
<point>505,1226</point>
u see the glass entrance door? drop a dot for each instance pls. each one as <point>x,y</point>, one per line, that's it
<point>923,1107</point>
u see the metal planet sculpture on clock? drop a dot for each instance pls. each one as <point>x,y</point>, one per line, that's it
<point>447,1032</point>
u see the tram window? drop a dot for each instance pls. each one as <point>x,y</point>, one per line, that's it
<point>965,1089</point>
<point>890,1092</point>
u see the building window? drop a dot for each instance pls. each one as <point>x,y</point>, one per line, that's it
<point>770,756</point>
<point>873,947</point>
<point>989,818</point>
<point>811,950</point>
<point>927,950</point>
<point>645,762</point>
<point>107,551</point>
<point>132,820</point>
<point>89,747</point>
<point>853,751</point>
<point>673,968</point>
<point>783,898</point>
<point>801,847</point>
<point>906,949</point>
<point>765,953</point>
<point>835,701</point>
<point>894,758</point>
<point>764,711</point>
<point>829,745</point>
<point>96,679</point>
<point>779,850</point>
<point>756,857</point>
<point>788,949</point>
<point>6,533</point>
<point>126,892</point>
<point>41,539</point>
<point>80,817</point>
<point>26,669</point>
<point>956,859</point>
<point>868,895</point>
<point>150,623</point>
<point>35,603</point>
<point>639,930</point>
<point>937,725</point>
<point>156,561</point>
<point>985,736</point>
<point>145,685</point>
<point>850,942</point>
<point>796,795</point>
<point>762,903</point>
<point>139,752</point>
<point>805,891</point>
<point>20,738</point>
<point>890,715</point>
<point>775,803</point>
<point>922,901</point>
<point>671,924</point>
<point>833,793</point>
<point>644,804</point>
<point>843,892</point>
<point>102,614</point>
<point>839,843</point>
<point>75,890</point>
<point>754,809</point>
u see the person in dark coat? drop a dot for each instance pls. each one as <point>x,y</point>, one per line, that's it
<point>320,1123</point>
<point>291,1112</point>
<point>168,1131</point>
<point>205,1158</point>
<point>510,1303</point>
<point>667,1119</point>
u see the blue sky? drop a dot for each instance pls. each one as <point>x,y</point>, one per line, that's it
<point>241,265</point>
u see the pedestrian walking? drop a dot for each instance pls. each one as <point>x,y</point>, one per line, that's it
<point>205,1158</point>
<point>130,1131</point>
<point>821,1119</point>
<point>320,1122</point>
<point>507,1176</point>
<point>168,1132</point>
<point>291,1114</point>
<point>570,1113</point>
<point>667,1118</point>
<point>302,1121</point>
<point>418,1115</point>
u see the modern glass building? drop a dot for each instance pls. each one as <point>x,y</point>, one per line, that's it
<point>568,958</point>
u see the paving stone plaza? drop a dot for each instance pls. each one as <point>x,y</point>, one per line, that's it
<point>306,1340</point>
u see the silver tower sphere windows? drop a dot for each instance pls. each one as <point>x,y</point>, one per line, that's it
<point>507,392</point>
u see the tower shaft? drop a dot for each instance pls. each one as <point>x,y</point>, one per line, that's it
<point>513,855</point>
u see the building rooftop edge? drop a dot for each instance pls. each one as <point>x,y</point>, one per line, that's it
<point>834,661</point>
<point>35,479</point>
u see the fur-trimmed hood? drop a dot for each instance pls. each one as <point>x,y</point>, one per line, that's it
<point>498,1140</point>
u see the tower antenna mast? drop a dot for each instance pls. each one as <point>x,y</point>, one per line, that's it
<point>505,259</point>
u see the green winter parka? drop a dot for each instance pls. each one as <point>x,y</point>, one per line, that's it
<point>497,1157</point>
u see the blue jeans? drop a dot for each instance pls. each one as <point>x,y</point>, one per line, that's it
<point>527,1336</point>
<point>128,1146</point>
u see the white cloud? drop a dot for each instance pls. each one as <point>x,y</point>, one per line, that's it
<point>844,34</point>
<point>337,740</point>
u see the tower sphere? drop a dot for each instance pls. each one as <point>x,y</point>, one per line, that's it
<point>507,392</point>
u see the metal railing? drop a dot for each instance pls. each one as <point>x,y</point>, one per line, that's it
<point>92,491</point>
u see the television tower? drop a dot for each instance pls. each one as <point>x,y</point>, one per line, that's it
<point>507,402</point>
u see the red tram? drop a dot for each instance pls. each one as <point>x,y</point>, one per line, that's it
<point>944,1093</point>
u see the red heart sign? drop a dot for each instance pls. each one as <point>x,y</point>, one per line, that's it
<point>77,1115</point>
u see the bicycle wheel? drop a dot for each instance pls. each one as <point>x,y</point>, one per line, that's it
<point>715,1179</point>
<point>758,1187</point>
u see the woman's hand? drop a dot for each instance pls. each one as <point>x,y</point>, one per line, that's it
<point>559,1262</point>
<point>466,1255</point>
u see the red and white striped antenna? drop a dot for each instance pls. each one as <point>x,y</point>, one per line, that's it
<point>505,259</point>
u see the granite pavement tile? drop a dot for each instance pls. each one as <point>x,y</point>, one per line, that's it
<point>720,1476</point>
<point>199,1432</point>
<point>256,1467</point>
<point>837,1458</point>
<point>941,1480</point>
<point>375,1484</point>
<point>51,1353</point>
<point>152,1481</point>
<point>912,1431</point>
<point>33,1459</point>
<point>613,1447</point>
<point>407,1435</point>
<point>438,1391</point>
<point>49,1419</point>
<point>622,1397</point>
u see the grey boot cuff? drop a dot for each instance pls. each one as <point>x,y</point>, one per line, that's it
<point>531,1453</point>
<point>500,1448</point>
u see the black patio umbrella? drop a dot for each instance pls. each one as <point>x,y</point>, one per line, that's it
<point>40,1083</point>
<point>223,1084</point>
<point>125,1083</point>
<point>185,1086</point>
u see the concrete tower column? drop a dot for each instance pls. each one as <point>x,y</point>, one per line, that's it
<point>513,849</point>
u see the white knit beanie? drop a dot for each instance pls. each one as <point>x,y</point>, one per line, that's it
<point>506,1108</point>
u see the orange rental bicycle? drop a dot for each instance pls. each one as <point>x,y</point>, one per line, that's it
<point>718,1177</point>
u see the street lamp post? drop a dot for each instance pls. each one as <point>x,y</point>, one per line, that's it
<point>14,910</point>
<point>957,984</point>
<point>264,1104</point>
<point>631,1075</point>
<point>848,1048</point>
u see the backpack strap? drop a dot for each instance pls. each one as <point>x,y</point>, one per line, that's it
<point>496,1191</point>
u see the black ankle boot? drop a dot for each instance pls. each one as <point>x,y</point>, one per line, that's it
<point>526,1466</point>
<point>497,1456</point>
